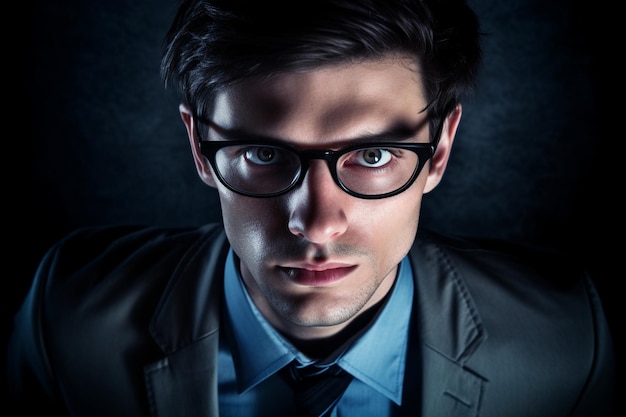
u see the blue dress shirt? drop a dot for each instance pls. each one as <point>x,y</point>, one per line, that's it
<point>252,352</point>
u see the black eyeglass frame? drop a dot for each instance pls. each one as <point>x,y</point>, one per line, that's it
<point>424,151</point>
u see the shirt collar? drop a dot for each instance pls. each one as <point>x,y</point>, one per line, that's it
<point>374,358</point>
<point>378,357</point>
<point>258,351</point>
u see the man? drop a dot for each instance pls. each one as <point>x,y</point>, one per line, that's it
<point>321,125</point>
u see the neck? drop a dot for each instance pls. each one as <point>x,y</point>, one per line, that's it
<point>323,347</point>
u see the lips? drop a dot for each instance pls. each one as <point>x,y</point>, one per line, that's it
<point>317,275</point>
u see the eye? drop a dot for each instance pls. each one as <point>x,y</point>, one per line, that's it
<point>372,157</point>
<point>263,155</point>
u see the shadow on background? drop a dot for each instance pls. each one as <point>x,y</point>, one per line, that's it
<point>105,144</point>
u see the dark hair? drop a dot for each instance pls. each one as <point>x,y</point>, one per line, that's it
<point>215,43</point>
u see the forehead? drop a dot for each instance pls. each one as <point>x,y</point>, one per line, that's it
<point>328,102</point>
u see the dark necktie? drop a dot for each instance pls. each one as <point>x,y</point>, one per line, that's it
<point>317,389</point>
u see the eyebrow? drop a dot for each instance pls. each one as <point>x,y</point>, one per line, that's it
<point>394,134</point>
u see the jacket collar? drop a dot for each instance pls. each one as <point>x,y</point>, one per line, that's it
<point>186,328</point>
<point>447,314</point>
<point>450,330</point>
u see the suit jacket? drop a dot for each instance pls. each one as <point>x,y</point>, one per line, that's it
<point>124,321</point>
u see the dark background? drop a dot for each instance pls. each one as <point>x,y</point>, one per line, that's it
<point>102,142</point>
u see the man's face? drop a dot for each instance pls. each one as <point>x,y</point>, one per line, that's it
<point>314,258</point>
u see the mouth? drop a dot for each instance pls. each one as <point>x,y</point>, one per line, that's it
<point>317,275</point>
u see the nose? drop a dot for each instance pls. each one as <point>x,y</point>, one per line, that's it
<point>318,206</point>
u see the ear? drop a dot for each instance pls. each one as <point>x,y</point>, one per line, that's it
<point>439,161</point>
<point>202,165</point>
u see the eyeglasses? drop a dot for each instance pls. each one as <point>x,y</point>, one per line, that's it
<point>260,168</point>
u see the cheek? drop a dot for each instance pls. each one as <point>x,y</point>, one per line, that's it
<point>393,224</point>
<point>401,223</point>
<point>389,226</point>
<point>248,220</point>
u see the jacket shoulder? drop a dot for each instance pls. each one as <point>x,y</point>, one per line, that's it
<point>89,309</point>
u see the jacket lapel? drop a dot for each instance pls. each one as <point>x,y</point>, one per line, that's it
<point>185,383</point>
<point>186,327</point>
<point>450,330</point>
